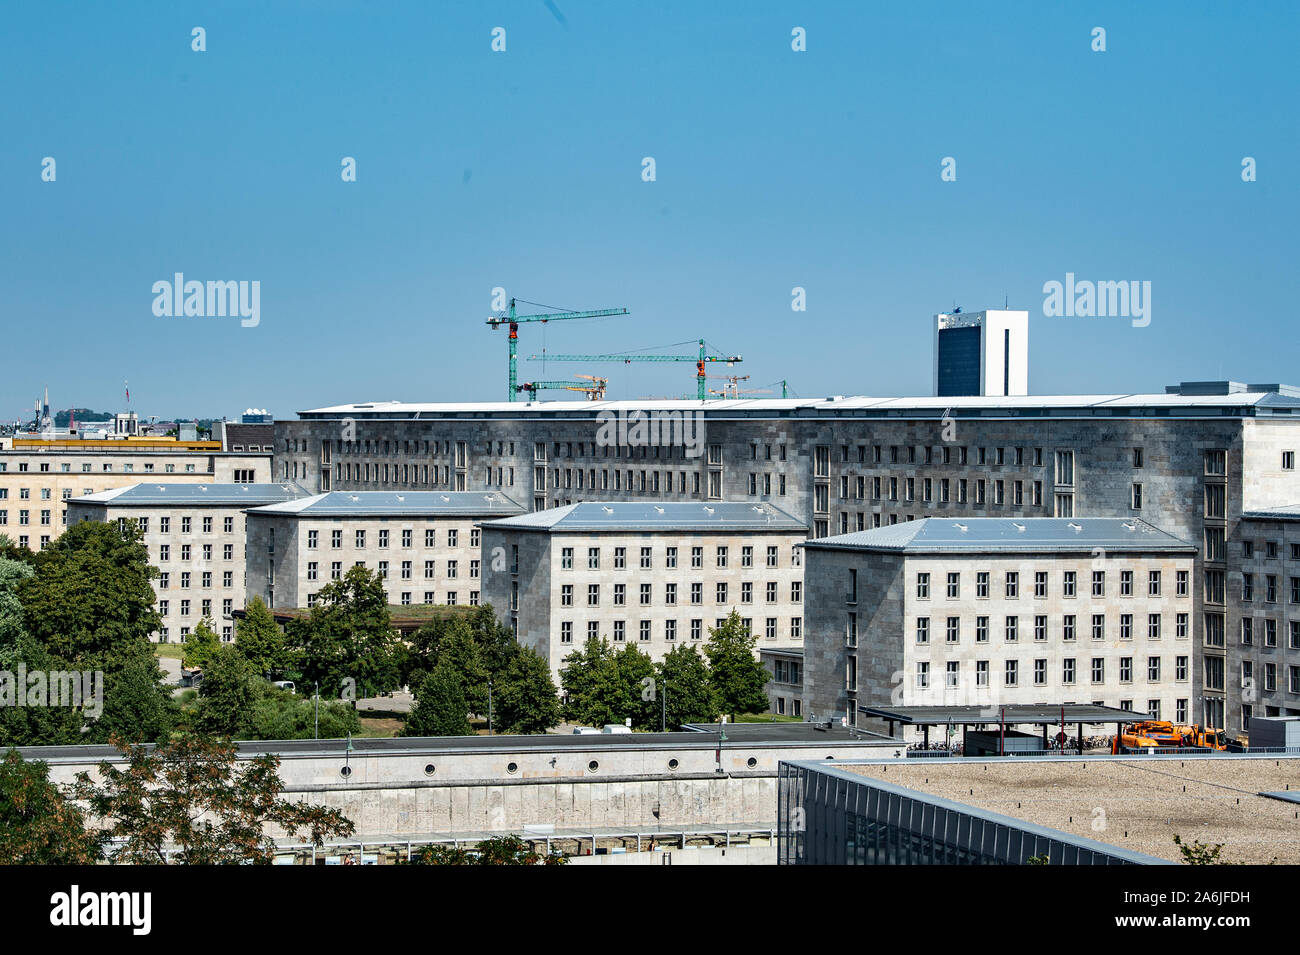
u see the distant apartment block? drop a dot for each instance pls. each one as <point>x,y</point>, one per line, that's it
<point>424,544</point>
<point>655,575</point>
<point>981,353</point>
<point>994,611</point>
<point>195,534</point>
<point>39,476</point>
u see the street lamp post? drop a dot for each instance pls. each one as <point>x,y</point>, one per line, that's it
<point>316,701</point>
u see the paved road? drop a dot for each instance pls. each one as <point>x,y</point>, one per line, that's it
<point>399,702</point>
<point>171,668</point>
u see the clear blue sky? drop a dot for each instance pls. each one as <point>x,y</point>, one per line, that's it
<point>523,169</point>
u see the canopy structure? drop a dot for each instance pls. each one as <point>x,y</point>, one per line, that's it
<point>1036,714</point>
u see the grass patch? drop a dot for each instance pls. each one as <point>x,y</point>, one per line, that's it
<point>172,651</point>
<point>380,727</point>
<point>767,718</point>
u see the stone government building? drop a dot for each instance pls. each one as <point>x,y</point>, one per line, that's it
<point>657,575</point>
<point>1001,611</point>
<point>1191,461</point>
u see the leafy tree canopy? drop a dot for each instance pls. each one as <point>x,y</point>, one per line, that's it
<point>260,641</point>
<point>737,676</point>
<point>90,601</point>
<point>686,692</point>
<point>525,699</point>
<point>193,796</point>
<point>38,825</point>
<point>200,645</point>
<point>499,850</point>
<point>349,637</point>
<point>440,708</point>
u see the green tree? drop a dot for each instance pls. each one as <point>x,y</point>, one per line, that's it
<point>1197,852</point>
<point>11,551</point>
<point>499,850</point>
<point>259,639</point>
<point>33,725</point>
<point>459,652</point>
<point>607,687</point>
<point>348,637</point>
<point>90,601</point>
<point>281,714</point>
<point>587,678</point>
<point>737,676</point>
<point>194,794</point>
<point>635,693</point>
<point>525,699</point>
<point>138,706</point>
<point>496,641</point>
<point>440,708</point>
<point>226,696</point>
<point>686,693</point>
<point>422,652</point>
<point>38,825</point>
<point>199,646</point>
<point>27,725</point>
<point>12,573</point>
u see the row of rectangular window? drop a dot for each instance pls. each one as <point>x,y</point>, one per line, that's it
<point>1011,627</point>
<point>1069,584</point>
<point>405,598</point>
<point>165,552</point>
<point>1011,671</point>
<point>384,538</point>
<point>1269,683</point>
<point>87,467</point>
<point>722,555</point>
<point>618,631</point>
<point>721,591</point>
<point>406,569</point>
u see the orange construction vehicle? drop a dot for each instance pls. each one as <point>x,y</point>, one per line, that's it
<point>1159,734</point>
<point>1203,736</point>
<point>1148,734</point>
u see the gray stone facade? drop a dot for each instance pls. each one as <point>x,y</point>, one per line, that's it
<point>558,589</point>
<point>196,542</point>
<point>821,459</point>
<point>425,546</point>
<point>894,629</point>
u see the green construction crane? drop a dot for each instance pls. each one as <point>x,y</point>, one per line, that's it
<point>592,387</point>
<point>513,320</point>
<point>700,361</point>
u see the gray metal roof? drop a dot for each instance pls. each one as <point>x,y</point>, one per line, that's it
<point>1285,512</point>
<point>940,535</point>
<point>213,495</point>
<point>1017,713</point>
<point>697,736</point>
<point>1193,402</point>
<point>616,516</point>
<point>395,504</point>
